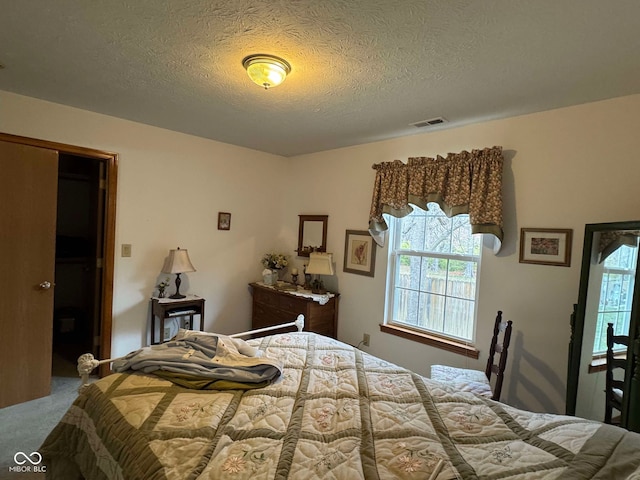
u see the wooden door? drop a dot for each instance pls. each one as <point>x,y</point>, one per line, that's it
<point>27,262</point>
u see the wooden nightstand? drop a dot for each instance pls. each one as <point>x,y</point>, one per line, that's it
<point>272,306</point>
<point>164,308</point>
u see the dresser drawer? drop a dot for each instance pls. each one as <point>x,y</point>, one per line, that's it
<point>293,305</point>
<point>265,297</point>
<point>323,326</point>
<point>267,316</point>
<point>324,317</point>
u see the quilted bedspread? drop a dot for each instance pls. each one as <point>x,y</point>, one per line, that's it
<point>335,413</point>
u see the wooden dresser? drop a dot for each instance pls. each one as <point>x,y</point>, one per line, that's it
<point>271,307</point>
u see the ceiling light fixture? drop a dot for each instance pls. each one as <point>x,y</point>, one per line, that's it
<point>266,70</point>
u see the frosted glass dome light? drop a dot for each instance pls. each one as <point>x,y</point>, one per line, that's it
<point>266,70</point>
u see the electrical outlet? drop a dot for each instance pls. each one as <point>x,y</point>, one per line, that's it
<point>365,339</point>
<point>167,333</point>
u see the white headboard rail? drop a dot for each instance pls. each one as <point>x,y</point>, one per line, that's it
<point>298,323</point>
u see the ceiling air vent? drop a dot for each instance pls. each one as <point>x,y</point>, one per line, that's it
<point>429,123</point>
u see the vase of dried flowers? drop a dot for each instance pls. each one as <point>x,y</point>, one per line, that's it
<point>276,262</point>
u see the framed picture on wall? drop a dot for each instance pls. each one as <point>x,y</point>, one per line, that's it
<point>224,221</point>
<point>546,246</point>
<point>359,253</point>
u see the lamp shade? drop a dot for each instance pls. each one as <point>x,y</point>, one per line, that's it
<point>320,264</point>
<point>178,262</point>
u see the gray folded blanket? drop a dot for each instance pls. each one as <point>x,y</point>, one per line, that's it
<point>204,355</point>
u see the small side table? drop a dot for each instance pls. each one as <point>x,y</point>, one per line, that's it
<point>164,308</point>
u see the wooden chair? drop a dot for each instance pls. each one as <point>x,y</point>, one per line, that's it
<point>614,389</point>
<point>477,381</point>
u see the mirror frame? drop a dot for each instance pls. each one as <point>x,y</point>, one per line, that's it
<point>579,309</point>
<point>312,218</point>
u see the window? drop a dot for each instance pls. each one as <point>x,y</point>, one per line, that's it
<point>432,277</point>
<point>616,295</point>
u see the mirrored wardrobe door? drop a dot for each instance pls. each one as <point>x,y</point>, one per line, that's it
<point>607,295</point>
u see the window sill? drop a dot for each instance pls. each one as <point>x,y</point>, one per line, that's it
<point>600,364</point>
<point>432,340</point>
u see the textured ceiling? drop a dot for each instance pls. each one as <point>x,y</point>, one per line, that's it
<point>363,70</point>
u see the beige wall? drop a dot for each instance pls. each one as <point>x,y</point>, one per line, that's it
<point>563,168</point>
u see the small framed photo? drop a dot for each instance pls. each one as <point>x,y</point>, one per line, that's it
<point>224,221</point>
<point>546,246</point>
<point>359,253</point>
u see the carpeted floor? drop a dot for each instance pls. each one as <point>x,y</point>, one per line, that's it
<point>24,427</point>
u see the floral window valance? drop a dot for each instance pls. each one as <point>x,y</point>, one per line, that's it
<point>611,241</point>
<point>465,182</point>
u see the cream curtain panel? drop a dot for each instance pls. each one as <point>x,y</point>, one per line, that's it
<point>465,182</point>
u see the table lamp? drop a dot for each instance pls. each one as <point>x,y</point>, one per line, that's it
<point>319,264</point>
<point>178,262</point>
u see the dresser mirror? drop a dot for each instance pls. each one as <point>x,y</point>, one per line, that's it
<point>312,234</point>
<point>608,293</point>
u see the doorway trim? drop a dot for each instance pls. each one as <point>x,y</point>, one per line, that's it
<point>111,162</point>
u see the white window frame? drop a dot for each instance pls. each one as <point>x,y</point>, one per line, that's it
<point>432,335</point>
<point>606,270</point>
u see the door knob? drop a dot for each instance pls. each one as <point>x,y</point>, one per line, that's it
<point>45,285</point>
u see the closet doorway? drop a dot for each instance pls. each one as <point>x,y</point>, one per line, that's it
<point>59,301</point>
<point>78,265</point>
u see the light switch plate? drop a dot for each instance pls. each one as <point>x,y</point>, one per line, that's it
<point>126,249</point>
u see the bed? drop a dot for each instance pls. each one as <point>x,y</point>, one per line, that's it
<point>335,412</point>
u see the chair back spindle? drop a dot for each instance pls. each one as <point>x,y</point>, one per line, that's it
<point>500,348</point>
<point>614,389</point>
